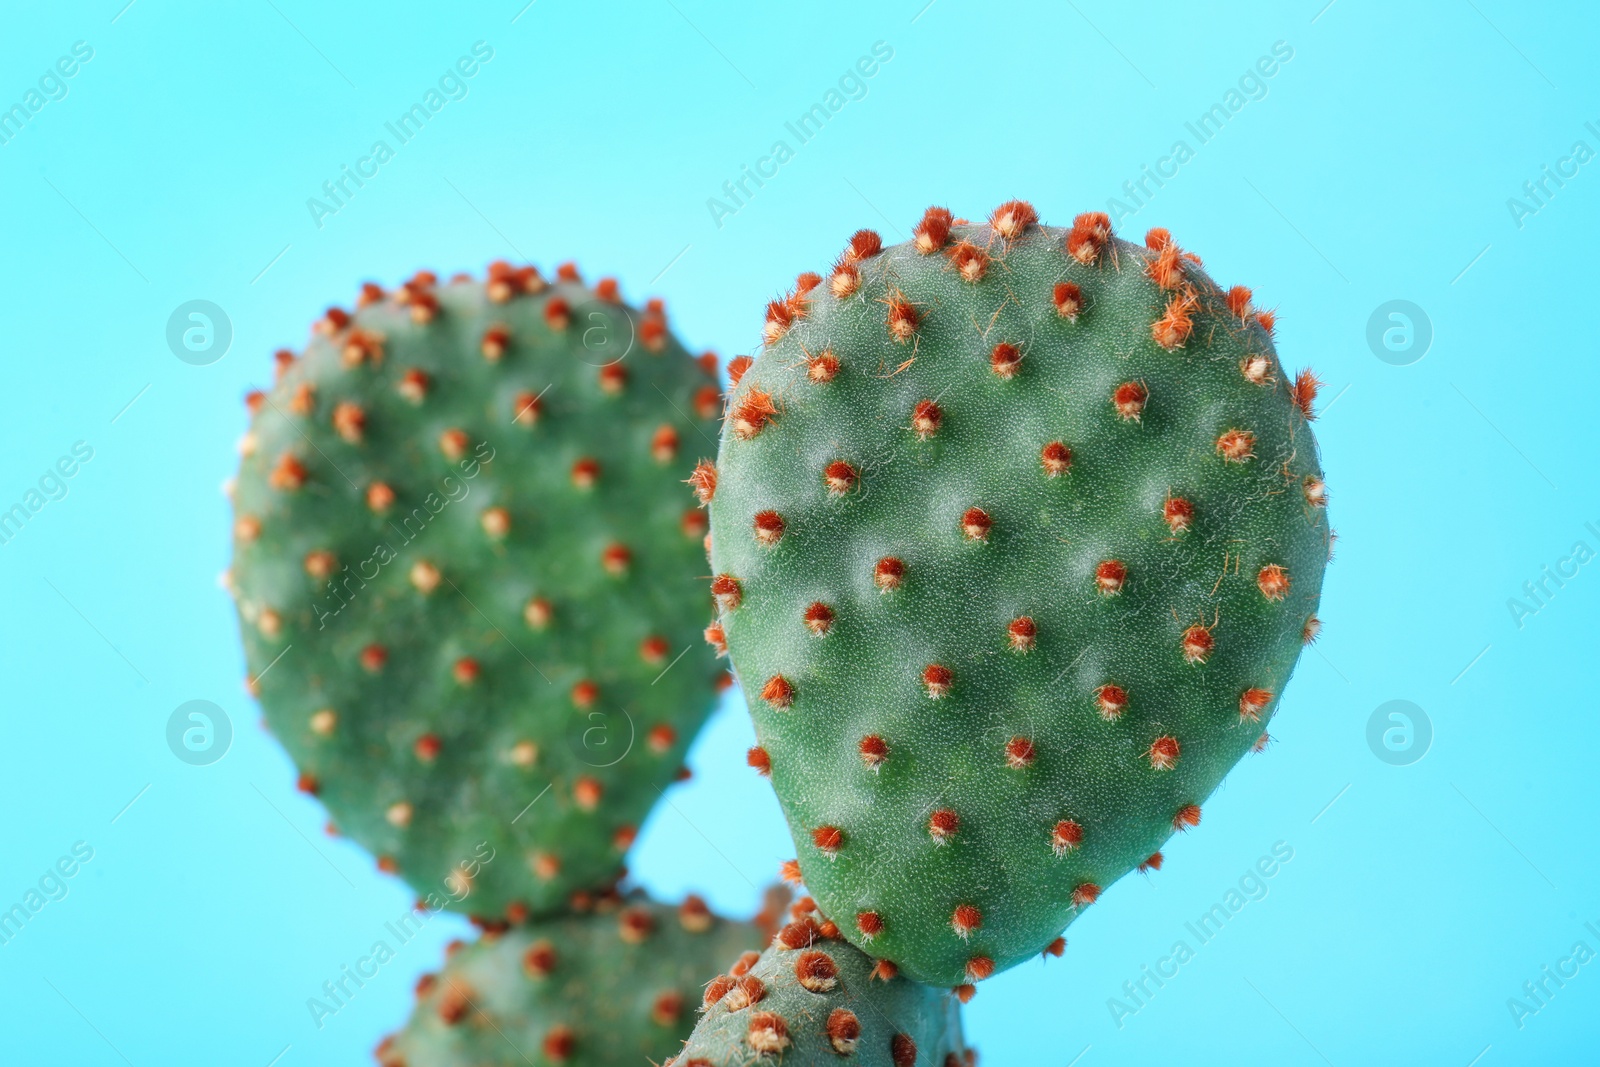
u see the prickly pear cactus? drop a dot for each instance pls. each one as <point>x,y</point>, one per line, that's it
<point>468,579</point>
<point>1017,533</point>
<point>612,987</point>
<point>814,999</point>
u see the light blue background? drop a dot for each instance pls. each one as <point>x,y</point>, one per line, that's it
<point>1378,166</point>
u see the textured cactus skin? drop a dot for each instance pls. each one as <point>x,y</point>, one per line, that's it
<point>606,997</point>
<point>864,833</point>
<point>896,1022</point>
<point>472,712</point>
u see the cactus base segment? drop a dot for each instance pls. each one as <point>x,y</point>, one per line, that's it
<point>812,999</point>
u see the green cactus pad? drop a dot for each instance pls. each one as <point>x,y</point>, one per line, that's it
<point>1017,533</point>
<point>608,989</point>
<point>813,1000</point>
<point>469,582</point>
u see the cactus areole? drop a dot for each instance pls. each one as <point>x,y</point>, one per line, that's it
<point>469,582</point>
<point>1018,533</point>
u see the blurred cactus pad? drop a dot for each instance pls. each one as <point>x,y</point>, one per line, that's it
<point>618,986</point>
<point>1017,534</point>
<point>469,582</point>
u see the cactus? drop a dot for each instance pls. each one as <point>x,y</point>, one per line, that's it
<point>467,578</point>
<point>611,987</point>
<point>1017,533</point>
<point>813,998</point>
